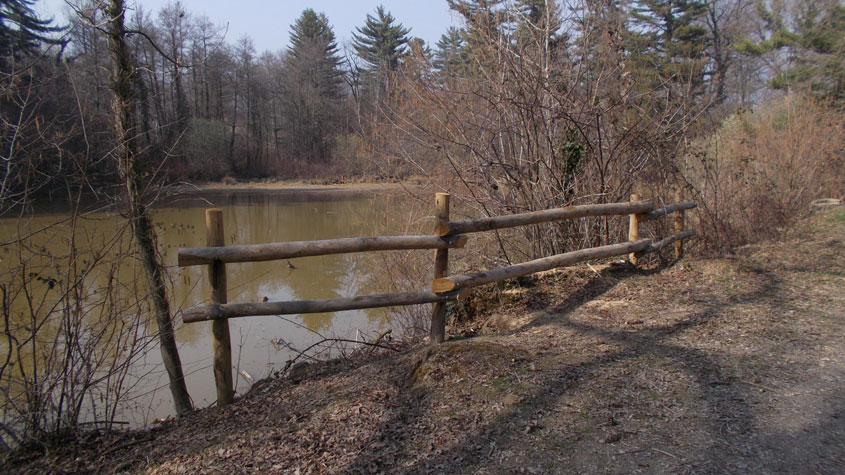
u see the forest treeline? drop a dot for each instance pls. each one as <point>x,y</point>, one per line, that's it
<point>526,105</point>
<point>209,106</point>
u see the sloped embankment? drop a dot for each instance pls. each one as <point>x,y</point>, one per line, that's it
<point>717,365</point>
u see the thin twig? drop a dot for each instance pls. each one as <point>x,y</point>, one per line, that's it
<point>664,453</point>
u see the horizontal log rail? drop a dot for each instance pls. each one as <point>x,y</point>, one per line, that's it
<point>448,234</point>
<point>659,212</point>
<point>544,216</point>
<point>444,290</point>
<point>235,310</point>
<point>465,281</point>
<point>658,245</point>
<point>193,256</point>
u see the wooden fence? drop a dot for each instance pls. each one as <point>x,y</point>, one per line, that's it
<point>448,235</point>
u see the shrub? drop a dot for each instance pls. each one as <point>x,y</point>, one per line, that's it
<point>203,150</point>
<point>759,170</point>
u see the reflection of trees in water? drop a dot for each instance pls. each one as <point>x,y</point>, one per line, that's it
<point>262,218</point>
<point>398,271</point>
<point>74,318</point>
<point>252,219</point>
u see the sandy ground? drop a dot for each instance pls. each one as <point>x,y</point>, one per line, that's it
<point>730,365</point>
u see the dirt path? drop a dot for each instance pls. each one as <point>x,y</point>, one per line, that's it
<point>730,365</point>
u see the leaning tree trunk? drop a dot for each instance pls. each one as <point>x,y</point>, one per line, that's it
<point>123,73</point>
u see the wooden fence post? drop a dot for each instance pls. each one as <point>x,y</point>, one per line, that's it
<point>679,223</point>
<point>441,268</point>
<point>219,328</point>
<point>633,230</point>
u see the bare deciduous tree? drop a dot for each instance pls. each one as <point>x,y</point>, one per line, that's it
<point>126,155</point>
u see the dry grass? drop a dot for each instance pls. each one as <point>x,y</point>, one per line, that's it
<point>757,173</point>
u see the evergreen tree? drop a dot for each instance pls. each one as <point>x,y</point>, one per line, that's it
<point>668,41</point>
<point>494,27</point>
<point>538,15</point>
<point>21,31</point>
<point>381,42</point>
<point>450,56</point>
<point>312,26</point>
<point>814,44</point>
<point>312,89</point>
<point>314,48</point>
<point>418,48</point>
<point>600,47</point>
<point>486,22</point>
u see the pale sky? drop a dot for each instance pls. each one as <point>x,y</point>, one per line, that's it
<point>268,22</point>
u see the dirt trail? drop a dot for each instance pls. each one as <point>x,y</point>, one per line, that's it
<point>730,365</point>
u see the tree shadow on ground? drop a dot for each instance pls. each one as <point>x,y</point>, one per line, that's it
<point>714,379</point>
<point>406,437</point>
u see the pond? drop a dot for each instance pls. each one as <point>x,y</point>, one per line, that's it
<point>258,347</point>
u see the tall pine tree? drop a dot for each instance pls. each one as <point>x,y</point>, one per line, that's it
<point>668,41</point>
<point>811,39</point>
<point>536,16</point>
<point>486,27</point>
<point>312,89</point>
<point>313,45</point>
<point>381,42</point>
<point>450,56</point>
<point>22,32</point>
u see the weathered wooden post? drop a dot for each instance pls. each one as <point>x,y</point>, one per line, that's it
<point>679,223</point>
<point>219,327</point>
<point>633,230</point>
<point>441,267</point>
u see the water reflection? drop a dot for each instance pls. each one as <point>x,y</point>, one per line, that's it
<point>252,219</point>
<point>249,218</point>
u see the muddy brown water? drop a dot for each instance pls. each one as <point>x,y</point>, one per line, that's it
<point>249,218</point>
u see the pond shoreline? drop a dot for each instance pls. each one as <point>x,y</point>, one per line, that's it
<point>219,194</point>
<point>284,186</point>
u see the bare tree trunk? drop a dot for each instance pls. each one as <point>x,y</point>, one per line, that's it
<point>125,150</point>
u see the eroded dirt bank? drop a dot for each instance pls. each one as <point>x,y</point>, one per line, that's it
<point>731,365</point>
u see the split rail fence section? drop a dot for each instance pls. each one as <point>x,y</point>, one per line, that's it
<point>448,235</point>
